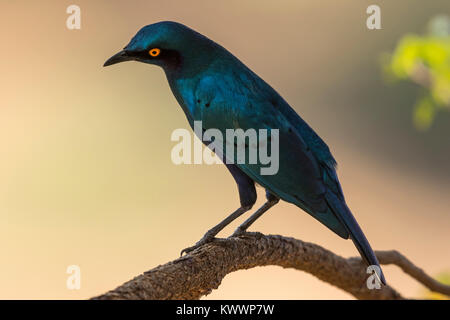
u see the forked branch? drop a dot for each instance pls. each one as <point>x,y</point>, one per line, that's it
<point>199,272</point>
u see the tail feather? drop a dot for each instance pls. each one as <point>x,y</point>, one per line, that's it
<point>345,216</point>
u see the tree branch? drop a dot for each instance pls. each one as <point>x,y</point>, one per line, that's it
<point>199,272</point>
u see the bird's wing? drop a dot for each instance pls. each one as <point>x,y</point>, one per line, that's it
<point>241,100</point>
<point>306,175</point>
<point>318,147</point>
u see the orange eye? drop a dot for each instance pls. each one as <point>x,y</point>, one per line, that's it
<point>154,52</point>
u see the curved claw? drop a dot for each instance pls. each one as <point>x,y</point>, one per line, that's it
<point>188,249</point>
<point>202,241</point>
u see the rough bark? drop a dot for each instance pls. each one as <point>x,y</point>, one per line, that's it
<point>199,272</point>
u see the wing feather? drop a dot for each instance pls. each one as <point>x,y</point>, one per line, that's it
<point>306,167</point>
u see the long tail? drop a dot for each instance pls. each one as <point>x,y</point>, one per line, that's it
<point>345,216</point>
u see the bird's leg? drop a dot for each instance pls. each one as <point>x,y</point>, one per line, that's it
<point>211,233</point>
<point>271,201</point>
<point>247,196</point>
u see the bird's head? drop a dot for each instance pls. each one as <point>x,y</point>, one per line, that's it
<point>166,44</point>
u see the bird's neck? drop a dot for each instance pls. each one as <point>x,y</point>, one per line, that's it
<point>195,60</point>
<point>193,65</point>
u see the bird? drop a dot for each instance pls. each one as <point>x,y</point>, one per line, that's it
<point>213,86</point>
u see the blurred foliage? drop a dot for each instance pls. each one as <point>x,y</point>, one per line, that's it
<point>443,278</point>
<point>425,60</point>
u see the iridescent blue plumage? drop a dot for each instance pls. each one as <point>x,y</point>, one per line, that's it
<point>215,87</point>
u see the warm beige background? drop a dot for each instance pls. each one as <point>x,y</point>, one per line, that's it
<point>85,170</point>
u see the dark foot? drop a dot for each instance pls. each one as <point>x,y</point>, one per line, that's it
<point>206,239</point>
<point>243,233</point>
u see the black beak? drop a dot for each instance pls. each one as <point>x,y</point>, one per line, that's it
<point>118,57</point>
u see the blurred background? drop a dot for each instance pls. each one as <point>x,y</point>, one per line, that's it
<point>85,172</point>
